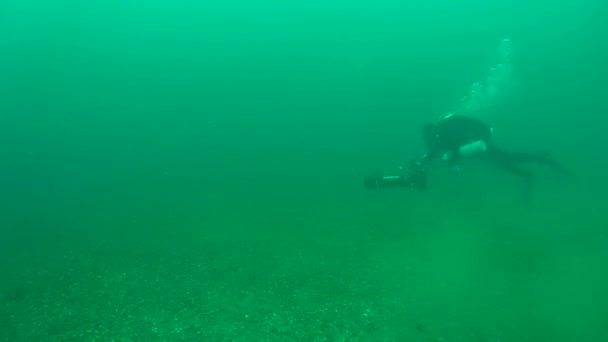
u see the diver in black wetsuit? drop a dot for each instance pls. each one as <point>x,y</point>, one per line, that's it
<point>454,137</point>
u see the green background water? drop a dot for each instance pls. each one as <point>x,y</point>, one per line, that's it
<point>193,171</point>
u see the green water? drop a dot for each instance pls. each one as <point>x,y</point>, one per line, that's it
<point>187,170</point>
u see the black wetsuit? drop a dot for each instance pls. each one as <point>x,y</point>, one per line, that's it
<point>453,132</point>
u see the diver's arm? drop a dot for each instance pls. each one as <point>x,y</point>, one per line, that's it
<point>427,158</point>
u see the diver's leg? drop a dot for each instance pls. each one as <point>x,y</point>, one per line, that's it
<point>540,158</point>
<point>506,161</point>
<point>546,159</point>
<point>522,157</point>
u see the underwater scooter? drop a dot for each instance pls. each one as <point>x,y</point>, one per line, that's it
<point>416,178</point>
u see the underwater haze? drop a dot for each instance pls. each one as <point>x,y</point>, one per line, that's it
<point>193,171</point>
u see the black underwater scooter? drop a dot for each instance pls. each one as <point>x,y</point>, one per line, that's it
<point>416,178</point>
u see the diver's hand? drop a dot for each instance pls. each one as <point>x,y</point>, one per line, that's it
<point>417,164</point>
<point>417,176</point>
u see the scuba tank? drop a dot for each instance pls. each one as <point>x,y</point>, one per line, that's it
<point>471,150</point>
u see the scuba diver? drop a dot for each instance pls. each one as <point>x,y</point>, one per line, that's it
<point>455,137</point>
<point>459,135</point>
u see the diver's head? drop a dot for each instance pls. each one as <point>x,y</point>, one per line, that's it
<point>429,132</point>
